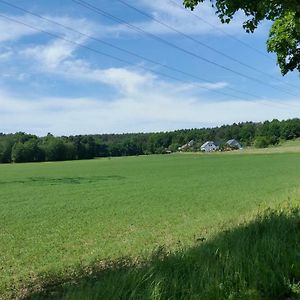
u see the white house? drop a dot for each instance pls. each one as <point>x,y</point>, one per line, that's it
<point>234,144</point>
<point>209,147</point>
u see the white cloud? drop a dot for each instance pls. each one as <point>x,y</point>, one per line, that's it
<point>141,112</point>
<point>12,31</point>
<point>48,54</point>
<point>163,10</point>
<point>181,19</point>
<point>5,54</point>
<point>51,55</point>
<point>123,79</point>
<point>200,86</point>
<point>142,101</point>
<point>57,59</point>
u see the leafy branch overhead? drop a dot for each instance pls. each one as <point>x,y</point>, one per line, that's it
<point>284,37</point>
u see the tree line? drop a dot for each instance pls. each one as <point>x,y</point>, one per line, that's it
<point>22,147</point>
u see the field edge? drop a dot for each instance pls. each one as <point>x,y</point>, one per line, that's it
<point>57,286</point>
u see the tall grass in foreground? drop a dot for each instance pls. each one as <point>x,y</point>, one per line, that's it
<point>259,259</point>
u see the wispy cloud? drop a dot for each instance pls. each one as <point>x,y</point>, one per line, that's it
<point>138,100</point>
<point>58,59</point>
<point>181,19</point>
<point>5,53</point>
<point>139,112</point>
<point>13,31</point>
<point>165,10</point>
<point>50,55</point>
<point>124,80</point>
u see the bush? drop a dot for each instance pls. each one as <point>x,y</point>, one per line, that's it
<point>261,142</point>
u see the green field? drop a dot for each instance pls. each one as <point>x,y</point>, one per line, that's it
<point>57,219</point>
<point>291,146</point>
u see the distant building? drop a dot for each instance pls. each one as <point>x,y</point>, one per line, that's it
<point>186,146</point>
<point>182,148</point>
<point>191,143</point>
<point>234,144</point>
<point>209,147</point>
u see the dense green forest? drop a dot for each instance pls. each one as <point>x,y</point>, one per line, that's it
<point>22,147</point>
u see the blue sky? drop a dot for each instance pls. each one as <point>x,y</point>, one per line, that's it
<point>48,84</point>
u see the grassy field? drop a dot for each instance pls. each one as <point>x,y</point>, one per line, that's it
<point>291,146</point>
<point>258,259</point>
<point>57,220</point>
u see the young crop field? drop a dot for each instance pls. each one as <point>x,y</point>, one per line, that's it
<point>58,219</point>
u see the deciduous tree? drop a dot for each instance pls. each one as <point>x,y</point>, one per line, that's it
<point>284,37</point>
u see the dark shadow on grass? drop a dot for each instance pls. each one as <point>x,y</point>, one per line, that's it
<point>257,260</point>
<point>63,180</point>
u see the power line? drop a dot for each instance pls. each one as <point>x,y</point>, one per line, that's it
<point>229,35</point>
<point>221,30</point>
<point>124,50</point>
<point>202,43</point>
<point>116,58</point>
<point>111,56</point>
<point>155,37</point>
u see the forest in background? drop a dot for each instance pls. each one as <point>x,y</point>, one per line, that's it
<point>21,147</point>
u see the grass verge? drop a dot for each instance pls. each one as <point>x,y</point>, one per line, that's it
<point>258,259</point>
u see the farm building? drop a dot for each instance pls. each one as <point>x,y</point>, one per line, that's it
<point>186,146</point>
<point>234,144</point>
<point>209,147</point>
